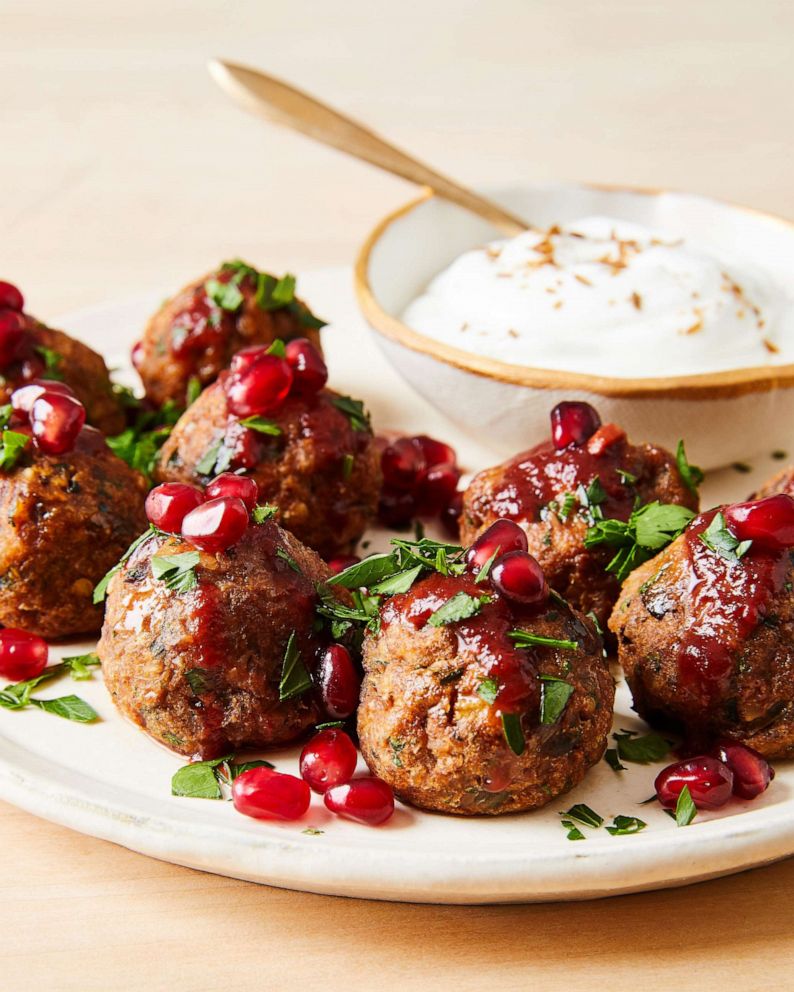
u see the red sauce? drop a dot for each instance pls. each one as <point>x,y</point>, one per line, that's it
<point>200,330</point>
<point>726,601</point>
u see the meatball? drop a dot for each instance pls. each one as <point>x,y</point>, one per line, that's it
<point>47,353</point>
<point>781,482</point>
<point>200,670</point>
<point>64,521</point>
<point>554,495</point>
<point>705,638</point>
<point>430,721</point>
<point>321,469</point>
<point>194,334</point>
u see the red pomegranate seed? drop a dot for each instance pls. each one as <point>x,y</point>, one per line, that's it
<point>137,355</point>
<point>573,423</point>
<point>501,538</point>
<point>518,576</point>
<point>310,373</point>
<point>228,484</point>
<point>56,419</point>
<point>216,525</point>
<point>710,782</point>
<point>13,329</point>
<point>168,505</point>
<point>247,447</point>
<point>403,464</point>
<point>752,773</point>
<point>329,759</point>
<point>605,437</point>
<point>259,389</point>
<point>451,514</point>
<point>396,509</point>
<point>365,800</point>
<point>245,357</point>
<point>22,655</point>
<point>340,682</point>
<point>269,795</point>
<point>341,562</point>
<point>22,399</point>
<point>435,452</point>
<point>768,522</point>
<point>437,488</point>
<point>10,297</point>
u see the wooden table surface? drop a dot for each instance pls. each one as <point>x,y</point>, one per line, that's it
<point>122,169</point>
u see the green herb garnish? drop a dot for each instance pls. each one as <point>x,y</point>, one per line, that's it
<point>285,556</point>
<point>52,362</point>
<point>295,680</point>
<point>19,695</point>
<point>263,512</point>
<point>525,639</point>
<point>102,587</point>
<point>513,734</point>
<point>613,760</point>
<point>348,461</point>
<point>396,747</point>
<point>193,390</point>
<point>226,295</point>
<point>723,542</point>
<point>574,833</point>
<point>488,689</point>
<point>12,444</point>
<point>640,750</point>
<point>354,411</point>
<point>460,607</point>
<point>626,825</point>
<point>691,474</point>
<point>79,665</point>
<point>177,571</point>
<point>261,425</point>
<point>685,809</point>
<point>554,696</point>
<point>215,460</point>
<point>583,814</point>
<point>649,529</point>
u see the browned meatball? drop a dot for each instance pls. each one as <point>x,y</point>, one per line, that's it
<point>430,719</point>
<point>51,354</point>
<point>781,482</point>
<point>706,642</point>
<point>322,470</point>
<point>200,670</point>
<point>195,333</point>
<point>64,521</point>
<point>552,494</point>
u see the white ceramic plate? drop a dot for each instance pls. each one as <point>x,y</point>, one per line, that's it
<point>110,781</point>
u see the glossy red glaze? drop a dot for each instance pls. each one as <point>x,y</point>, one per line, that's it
<point>22,655</point>
<point>519,576</point>
<point>269,795</point>
<point>10,297</point>
<point>766,522</point>
<point>366,800</point>
<point>500,538</point>
<point>310,373</point>
<point>259,389</point>
<point>604,438</point>
<point>573,423</point>
<point>229,484</point>
<point>22,399</point>
<point>340,682</point>
<point>13,331</point>
<point>710,782</point>
<point>752,773</point>
<point>328,760</point>
<point>168,505</point>
<point>56,420</point>
<point>217,524</point>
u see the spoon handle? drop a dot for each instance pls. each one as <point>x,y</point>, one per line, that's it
<point>283,104</point>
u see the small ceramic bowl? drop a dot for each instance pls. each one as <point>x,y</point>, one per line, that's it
<point>724,416</point>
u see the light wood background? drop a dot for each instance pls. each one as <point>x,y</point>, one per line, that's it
<point>122,169</point>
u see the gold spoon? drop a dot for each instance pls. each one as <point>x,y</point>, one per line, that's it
<point>283,104</point>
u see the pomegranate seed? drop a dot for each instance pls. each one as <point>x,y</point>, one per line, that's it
<point>435,452</point>
<point>518,576</point>
<point>56,420</point>
<point>10,297</point>
<point>396,509</point>
<point>246,446</point>
<point>269,795</point>
<point>310,373</point>
<point>22,399</point>
<point>245,358</point>
<point>710,782</point>
<point>403,464</point>
<point>329,759</point>
<point>216,525</point>
<point>168,505</point>
<point>365,800</point>
<point>752,773</point>
<point>228,484</point>
<point>501,538</point>
<point>137,355</point>
<point>339,682</point>
<point>437,488</point>
<point>768,522</point>
<point>605,437</point>
<point>22,655</point>
<point>341,562</point>
<point>259,389</point>
<point>12,333</point>
<point>573,423</point>
<point>451,514</point>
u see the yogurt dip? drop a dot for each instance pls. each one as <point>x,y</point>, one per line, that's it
<point>608,297</point>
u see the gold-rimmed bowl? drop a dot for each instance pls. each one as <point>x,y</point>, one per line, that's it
<point>725,416</point>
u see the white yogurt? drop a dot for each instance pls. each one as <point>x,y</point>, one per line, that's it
<point>608,297</point>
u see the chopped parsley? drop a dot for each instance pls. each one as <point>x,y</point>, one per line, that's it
<point>215,460</point>
<point>583,814</point>
<point>12,444</point>
<point>488,689</point>
<point>397,583</point>
<point>640,750</point>
<point>649,529</point>
<point>459,607</point>
<point>261,425</point>
<point>625,825</point>
<point>263,512</point>
<point>685,809</point>
<point>513,734</point>
<point>354,411</point>
<point>270,293</point>
<point>348,461</point>
<point>574,833</point>
<point>554,696</point>
<point>177,571</point>
<point>525,639</point>
<point>79,665</point>
<point>723,542</point>
<point>52,362</point>
<point>567,506</point>
<point>627,478</point>
<point>396,747</point>
<point>295,680</point>
<point>226,295</point>
<point>691,474</point>
<point>285,556</point>
<point>19,695</point>
<point>613,760</point>
<point>101,589</point>
<point>193,390</point>
<point>484,572</point>
<point>139,445</point>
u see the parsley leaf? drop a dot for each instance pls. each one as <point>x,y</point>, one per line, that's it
<point>488,689</point>
<point>367,572</point>
<point>263,512</point>
<point>262,425</point>
<point>459,607</point>
<point>285,556</point>
<point>193,390</point>
<point>554,697</point>
<point>348,462</point>
<point>101,589</point>
<point>723,542</point>
<point>78,665</point>
<point>513,734</point>
<point>177,571</point>
<point>625,825</point>
<point>583,814</point>
<point>640,750</point>
<point>525,639</point>
<point>226,295</point>
<point>613,760</point>
<point>574,833</point>
<point>354,411</point>
<point>198,780</point>
<point>685,809</point>
<point>295,680</point>
<point>19,695</point>
<point>69,707</point>
<point>52,362</point>
<point>215,460</point>
<point>649,529</point>
<point>12,444</point>
<point>691,474</point>
<point>398,583</point>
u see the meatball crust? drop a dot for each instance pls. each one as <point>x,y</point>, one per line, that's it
<point>531,489</point>
<point>65,520</point>
<point>321,472</point>
<point>200,670</point>
<point>781,482</point>
<point>193,336</point>
<point>426,728</point>
<point>72,362</point>
<point>706,643</point>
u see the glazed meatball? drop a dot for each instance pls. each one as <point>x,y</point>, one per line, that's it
<point>199,670</point>
<point>430,721</point>
<point>64,521</point>
<point>705,633</point>
<point>50,354</point>
<point>553,492</point>
<point>194,334</point>
<point>781,482</point>
<point>321,470</point>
